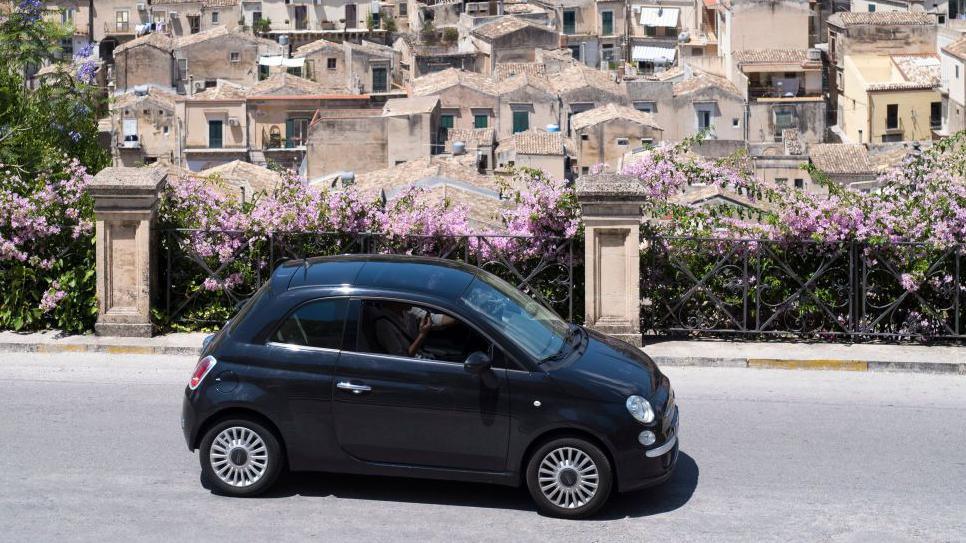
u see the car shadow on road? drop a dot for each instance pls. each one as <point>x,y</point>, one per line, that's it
<point>661,499</point>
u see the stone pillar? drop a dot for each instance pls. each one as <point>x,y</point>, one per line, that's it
<point>611,208</point>
<point>125,203</point>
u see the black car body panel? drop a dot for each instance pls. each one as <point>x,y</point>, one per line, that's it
<point>424,418</point>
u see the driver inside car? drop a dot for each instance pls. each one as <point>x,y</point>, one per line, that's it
<point>401,328</point>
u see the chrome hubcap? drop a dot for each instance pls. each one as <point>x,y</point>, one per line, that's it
<point>239,456</point>
<point>568,477</point>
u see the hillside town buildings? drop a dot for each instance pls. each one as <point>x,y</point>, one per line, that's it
<point>337,90</point>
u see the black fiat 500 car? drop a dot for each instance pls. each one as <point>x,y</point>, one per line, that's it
<point>421,367</point>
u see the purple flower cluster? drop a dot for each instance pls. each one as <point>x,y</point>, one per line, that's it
<point>922,200</point>
<point>52,297</point>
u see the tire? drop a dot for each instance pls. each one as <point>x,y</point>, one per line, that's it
<point>240,457</point>
<point>569,478</point>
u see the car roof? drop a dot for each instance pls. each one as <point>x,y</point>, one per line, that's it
<point>422,275</point>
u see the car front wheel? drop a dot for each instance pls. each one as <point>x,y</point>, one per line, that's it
<point>569,478</point>
<point>240,458</point>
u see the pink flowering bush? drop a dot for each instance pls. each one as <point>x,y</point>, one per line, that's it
<point>46,250</point>
<point>230,246</point>
<point>788,261</point>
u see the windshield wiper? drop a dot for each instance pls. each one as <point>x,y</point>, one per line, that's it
<point>573,331</point>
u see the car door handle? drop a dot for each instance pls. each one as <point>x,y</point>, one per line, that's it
<point>353,388</point>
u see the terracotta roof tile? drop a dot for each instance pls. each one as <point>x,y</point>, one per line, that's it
<point>437,81</point>
<point>505,70</point>
<point>841,158</point>
<point>700,81</point>
<point>957,49</point>
<point>610,112</point>
<point>534,142</point>
<point>504,26</point>
<point>882,18</point>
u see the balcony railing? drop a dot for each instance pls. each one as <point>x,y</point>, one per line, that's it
<point>275,142</point>
<point>771,91</point>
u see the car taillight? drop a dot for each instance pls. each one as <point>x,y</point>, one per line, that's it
<point>201,370</point>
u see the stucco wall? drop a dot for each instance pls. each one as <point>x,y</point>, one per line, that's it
<point>143,65</point>
<point>358,144</point>
<point>598,143</point>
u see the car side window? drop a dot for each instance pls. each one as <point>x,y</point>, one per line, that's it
<point>315,324</point>
<point>410,330</point>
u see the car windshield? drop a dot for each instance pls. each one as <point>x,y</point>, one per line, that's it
<point>536,329</point>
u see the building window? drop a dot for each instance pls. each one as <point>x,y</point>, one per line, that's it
<point>296,131</point>
<point>704,119</point>
<point>330,63</point>
<point>380,82</point>
<point>957,71</point>
<point>784,118</point>
<point>263,72</point>
<point>622,142</point>
<point>521,121</point>
<point>403,9</point>
<point>481,120</point>
<point>256,16</point>
<point>215,134</point>
<point>647,142</point>
<point>183,69</point>
<point>234,56</point>
<point>891,138</point>
<point>447,122</point>
<point>646,107</point>
<point>650,31</point>
<point>892,116</point>
<point>781,181</point>
<point>607,52</point>
<point>214,17</point>
<point>570,22</point>
<point>871,8</point>
<point>607,23</point>
<point>67,47</point>
<point>697,52</point>
<point>799,183</point>
<point>735,122</point>
<point>585,137</point>
<point>122,21</point>
<point>194,24</point>
<point>584,170</point>
<point>936,115</point>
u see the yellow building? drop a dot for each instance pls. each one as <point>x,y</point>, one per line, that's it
<point>890,98</point>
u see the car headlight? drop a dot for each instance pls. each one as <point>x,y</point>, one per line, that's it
<point>640,409</point>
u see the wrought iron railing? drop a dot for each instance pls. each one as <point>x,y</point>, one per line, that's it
<point>205,273</point>
<point>804,289</point>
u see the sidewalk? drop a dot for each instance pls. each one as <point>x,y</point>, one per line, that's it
<point>705,353</point>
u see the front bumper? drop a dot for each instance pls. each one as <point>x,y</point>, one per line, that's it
<point>637,468</point>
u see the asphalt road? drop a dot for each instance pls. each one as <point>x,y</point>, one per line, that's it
<point>91,449</point>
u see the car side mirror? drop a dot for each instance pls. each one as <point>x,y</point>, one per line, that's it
<point>477,362</point>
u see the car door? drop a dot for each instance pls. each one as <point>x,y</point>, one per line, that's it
<point>300,362</point>
<point>424,408</point>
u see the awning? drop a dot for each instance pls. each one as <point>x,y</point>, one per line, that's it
<point>666,17</point>
<point>279,60</point>
<point>660,55</point>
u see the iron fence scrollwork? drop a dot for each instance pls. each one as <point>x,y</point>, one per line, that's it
<point>802,289</point>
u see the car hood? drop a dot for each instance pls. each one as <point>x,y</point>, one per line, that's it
<point>606,368</point>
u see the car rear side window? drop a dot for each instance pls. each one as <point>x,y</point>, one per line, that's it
<point>315,324</point>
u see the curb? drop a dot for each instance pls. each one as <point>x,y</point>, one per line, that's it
<point>876,366</point>
<point>167,350</point>
<point>946,368</point>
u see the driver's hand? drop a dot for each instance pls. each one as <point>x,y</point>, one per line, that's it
<point>426,324</point>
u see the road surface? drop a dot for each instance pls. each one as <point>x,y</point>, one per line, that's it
<point>91,450</point>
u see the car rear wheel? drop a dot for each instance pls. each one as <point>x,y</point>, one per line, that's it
<point>240,457</point>
<point>569,478</point>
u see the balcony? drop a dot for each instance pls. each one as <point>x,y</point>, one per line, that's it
<point>129,142</point>
<point>118,29</point>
